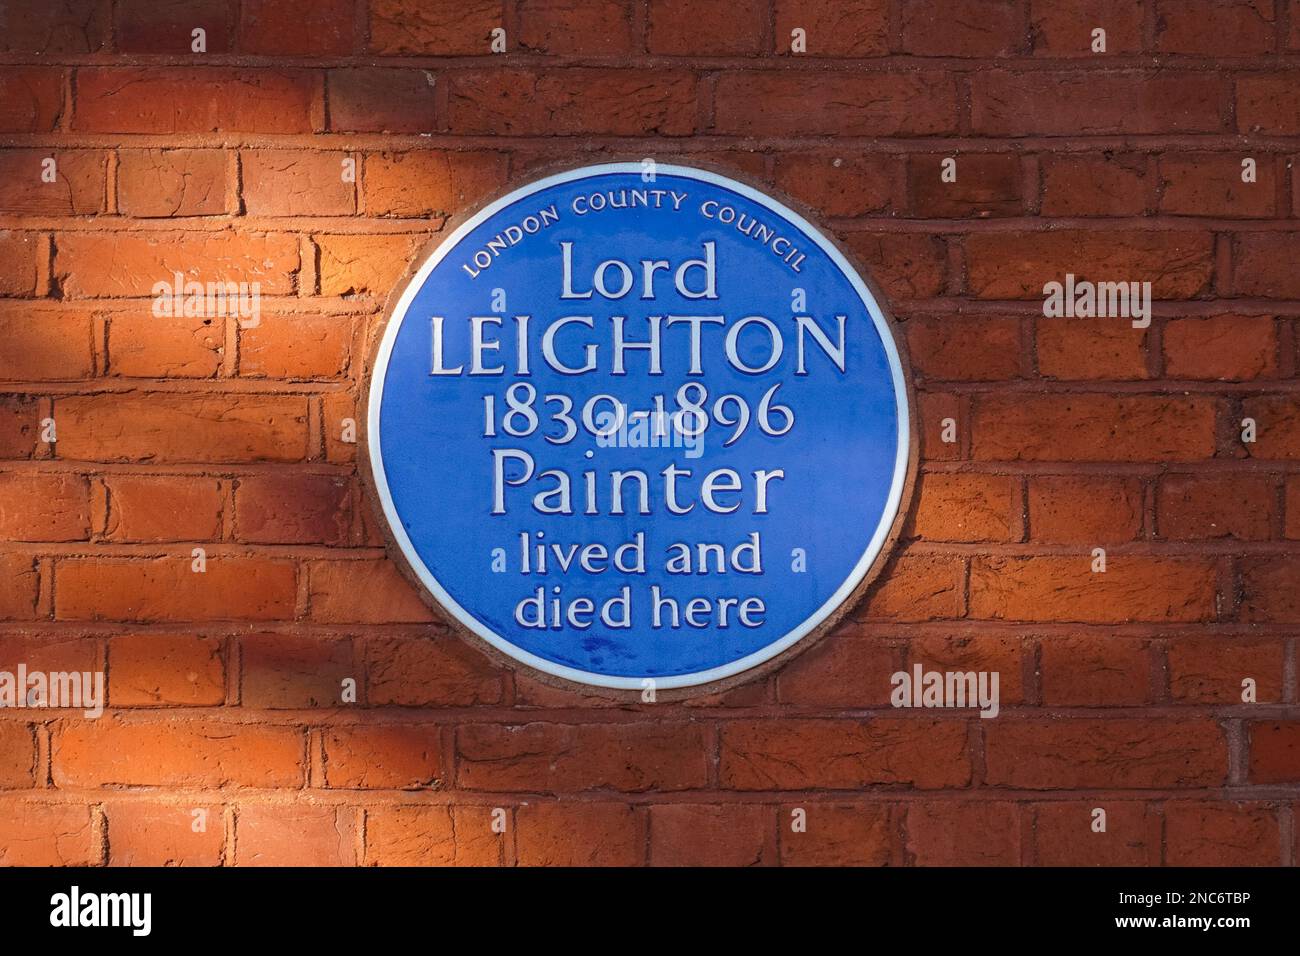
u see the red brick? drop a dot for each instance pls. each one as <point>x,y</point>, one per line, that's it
<point>18,252</point>
<point>781,103</point>
<point>1068,753</point>
<point>18,596</point>
<point>1075,509</point>
<point>171,182</point>
<point>963,834</point>
<point>1081,348</point>
<point>17,757</point>
<point>296,27</point>
<point>1056,103</point>
<point>837,836</point>
<point>1210,185</point>
<point>575,26</point>
<point>430,183</point>
<point>1092,427</point>
<point>924,753</point>
<point>78,188</point>
<point>293,509</point>
<point>55,26</point>
<point>1223,347</point>
<point>432,836</point>
<point>1132,588</point>
<point>573,101</point>
<point>1292,507</point>
<point>976,652</point>
<point>18,426</point>
<point>964,507</point>
<point>935,411</point>
<point>183,99</point>
<point>424,671</point>
<point>379,100</point>
<point>568,833</point>
<point>1270,588</point>
<point>440,27</point>
<point>1221,834</point>
<point>383,756</point>
<point>1189,507</point>
<point>109,753</point>
<point>905,266</point>
<point>146,427</point>
<point>339,409</point>
<point>141,345</point>
<point>1277,426</point>
<point>165,589</point>
<point>841,185</point>
<point>296,346</point>
<point>1064,835</point>
<point>31,99</point>
<point>45,652</point>
<point>1260,264</point>
<point>971,348</point>
<point>1275,752</point>
<point>1065,29</point>
<point>44,507</point>
<point>987,185</point>
<point>687,28</point>
<point>297,834</point>
<point>363,592</point>
<point>104,264</point>
<point>47,834</point>
<point>294,671</point>
<point>1016,265</point>
<point>162,508</point>
<point>1218,28</point>
<point>962,27</point>
<point>165,26</point>
<point>847,669</point>
<point>1268,103</point>
<point>364,264</point>
<point>46,346</point>
<point>561,758</point>
<point>1107,184</point>
<point>685,834</point>
<point>1209,670</point>
<point>161,834</point>
<point>834,27</point>
<point>147,670</point>
<point>916,588</point>
<point>1094,671</point>
<point>292,182</point>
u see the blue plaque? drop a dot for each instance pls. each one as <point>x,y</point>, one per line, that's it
<point>638,425</point>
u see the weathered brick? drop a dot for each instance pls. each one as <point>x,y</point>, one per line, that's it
<point>567,833</point>
<point>44,507</point>
<point>561,758</point>
<point>165,589</point>
<point>430,183</point>
<point>1132,588</point>
<point>683,834</point>
<point>1076,752</point>
<point>184,99</point>
<point>78,188</point>
<point>90,265</point>
<point>1090,510</point>
<point>164,834</point>
<point>924,753</point>
<point>147,670</point>
<point>172,753</point>
<point>162,183</point>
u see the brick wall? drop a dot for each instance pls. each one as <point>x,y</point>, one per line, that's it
<point>1121,690</point>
